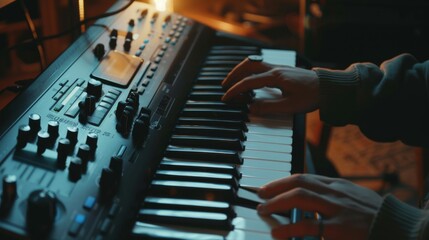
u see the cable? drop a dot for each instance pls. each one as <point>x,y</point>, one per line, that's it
<point>71,29</point>
<point>33,30</point>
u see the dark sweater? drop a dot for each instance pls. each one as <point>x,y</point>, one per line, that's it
<point>388,102</point>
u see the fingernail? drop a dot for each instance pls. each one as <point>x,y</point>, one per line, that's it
<point>262,190</point>
<point>261,209</point>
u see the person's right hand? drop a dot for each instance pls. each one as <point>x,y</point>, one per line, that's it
<point>300,87</point>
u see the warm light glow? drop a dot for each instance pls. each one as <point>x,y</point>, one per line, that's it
<point>163,5</point>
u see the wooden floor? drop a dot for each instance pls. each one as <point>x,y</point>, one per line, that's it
<point>354,155</point>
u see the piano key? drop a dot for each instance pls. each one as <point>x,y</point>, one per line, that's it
<point>216,105</point>
<point>269,174</point>
<point>214,113</point>
<point>210,131</point>
<point>205,96</point>
<point>194,190</point>
<point>179,164</point>
<point>215,73</point>
<point>193,218</point>
<point>247,198</point>
<point>249,220</point>
<point>272,130</point>
<point>236,47</point>
<point>211,88</point>
<point>216,69</point>
<point>210,80</point>
<point>235,124</point>
<point>231,63</point>
<point>143,230</point>
<point>197,176</point>
<point>266,155</point>
<point>221,156</point>
<point>271,147</point>
<point>225,58</point>
<point>227,52</point>
<point>207,142</point>
<point>269,165</point>
<point>190,205</point>
<point>268,138</point>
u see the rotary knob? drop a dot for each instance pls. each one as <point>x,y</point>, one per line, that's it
<point>63,151</point>
<point>24,133</point>
<point>116,165</point>
<point>9,193</point>
<point>94,88</point>
<point>91,140</point>
<point>42,142</point>
<point>140,131</point>
<point>53,129</point>
<point>99,51</point>
<point>108,183</point>
<point>128,40</point>
<point>113,38</point>
<point>72,134</point>
<point>84,153</point>
<point>41,212</point>
<point>75,169</point>
<point>34,123</point>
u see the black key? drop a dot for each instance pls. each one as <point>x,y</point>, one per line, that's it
<point>210,132</point>
<point>210,80</point>
<point>189,205</point>
<point>211,88</point>
<point>215,114</point>
<point>194,190</point>
<point>206,96</point>
<point>216,69</point>
<point>179,164</point>
<point>186,218</point>
<point>218,73</point>
<point>195,176</point>
<point>232,52</point>
<point>221,62</point>
<point>143,230</point>
<point>207,142</point>
<point>213,122</point>
<point>216,105</point>
<point>236,47</point>
<point>223,156</point>
<point>225,58</point>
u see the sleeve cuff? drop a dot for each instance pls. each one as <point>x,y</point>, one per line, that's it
<point>338,90</point>
<point>397,220</point>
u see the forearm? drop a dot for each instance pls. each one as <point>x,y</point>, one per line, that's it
<point>388,103</point>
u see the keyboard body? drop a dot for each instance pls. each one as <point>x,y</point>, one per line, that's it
<point>80,149</point>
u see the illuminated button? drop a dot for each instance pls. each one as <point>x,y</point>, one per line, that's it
<point>77,224</point>
<point>89,203</point>
<point>142,46</point>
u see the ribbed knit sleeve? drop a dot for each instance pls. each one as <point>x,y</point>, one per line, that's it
<point>389,102</point>
<point>338,95</point>
<point>396,220</point>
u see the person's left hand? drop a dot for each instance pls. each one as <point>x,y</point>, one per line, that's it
<point>347,209</point>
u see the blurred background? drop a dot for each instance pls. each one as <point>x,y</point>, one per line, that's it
<point>330,33</point>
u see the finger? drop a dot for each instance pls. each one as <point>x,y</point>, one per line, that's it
<point>256,81</point>
<point>301,198</point>
<point>263,107</point>
<point>311,182</point>
<point>244,69</point>
<point>307,227</point>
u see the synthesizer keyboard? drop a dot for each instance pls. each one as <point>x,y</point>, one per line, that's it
<point>125,136</point>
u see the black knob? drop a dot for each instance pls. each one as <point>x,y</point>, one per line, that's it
<point>72,135</point>
<point>99,51</point>
<point>84,153</point>
<point>75,169</point>
<point>63,151</point>
<point>9,193</point>
<point>128,40</point>
<point>43,140</point>
<point>120,109</point>
<point>124,124</point>
<point>53,129</point>
<point>140,131</point>
<point>91,140</point>
<point>108,183</point>
<point>116,165</point>
<point>24,133</point>
<point>88,105</point>
<point>41,212</point>
<point>94,88</point>
<point>113,38</point>
<point>131,23</point>
<point>34,123</point>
